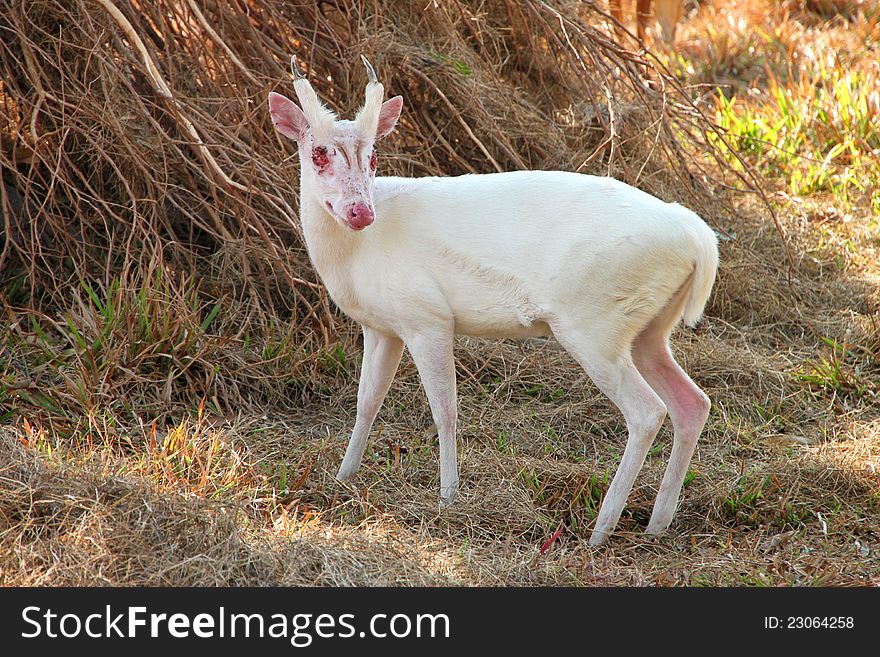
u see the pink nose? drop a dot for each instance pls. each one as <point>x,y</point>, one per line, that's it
<point>359,216</point>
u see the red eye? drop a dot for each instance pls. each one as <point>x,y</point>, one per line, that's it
<point>373,161</point>
<point>319,157</point>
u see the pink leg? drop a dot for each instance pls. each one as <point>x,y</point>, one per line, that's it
<point>688,408</point>
<point>643,410</point>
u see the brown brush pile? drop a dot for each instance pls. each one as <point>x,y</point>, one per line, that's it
<point>135,136</point>
<point>146,196</point>
<point>151,261</point>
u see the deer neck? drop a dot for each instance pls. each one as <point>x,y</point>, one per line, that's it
<point>330,245</point>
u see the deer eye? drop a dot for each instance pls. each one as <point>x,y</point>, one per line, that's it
<point>319,157</point>
<point>373,160</point>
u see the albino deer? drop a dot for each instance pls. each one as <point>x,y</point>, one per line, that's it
<point>607,269</point>
<point>668,13</point>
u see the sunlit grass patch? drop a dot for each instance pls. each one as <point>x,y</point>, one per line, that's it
<point>818,134</point>
<point>195,458</point>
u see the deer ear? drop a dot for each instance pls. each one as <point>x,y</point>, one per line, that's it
<point>388,116</point>
<point>287,118</point>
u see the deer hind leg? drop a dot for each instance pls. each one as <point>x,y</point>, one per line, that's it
<point>642,408</point>
<point>688,406</point>
<point>688,409</point>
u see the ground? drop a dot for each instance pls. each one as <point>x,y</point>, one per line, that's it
<point>783,488</point>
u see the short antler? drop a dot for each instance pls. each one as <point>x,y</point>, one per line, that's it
<point>371,72</point>
<point>298,74</point>
<point>368,117</point>
<point>319,117</point>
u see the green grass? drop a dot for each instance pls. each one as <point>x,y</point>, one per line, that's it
<point>819,134</point>
<point>573,499</point>
<point>762,499</point>
<point>544,393</point>
<point>504,443</point>
<point>146,343</point>
<point>842,370</point>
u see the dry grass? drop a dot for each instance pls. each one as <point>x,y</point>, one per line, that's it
<point>175,383</point>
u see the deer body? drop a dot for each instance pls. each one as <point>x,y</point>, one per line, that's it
<point>605,268</point>
<point>505,255</point>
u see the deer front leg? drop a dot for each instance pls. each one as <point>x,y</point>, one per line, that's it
<point>381,357</point>
<point>432,353</point>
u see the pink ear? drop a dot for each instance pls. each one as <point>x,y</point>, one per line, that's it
<point>288,119</point>
<point>388,116</point>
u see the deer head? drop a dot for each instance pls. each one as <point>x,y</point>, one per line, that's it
<point>338,157</point>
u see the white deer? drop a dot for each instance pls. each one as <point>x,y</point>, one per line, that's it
<point>607,269</point>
